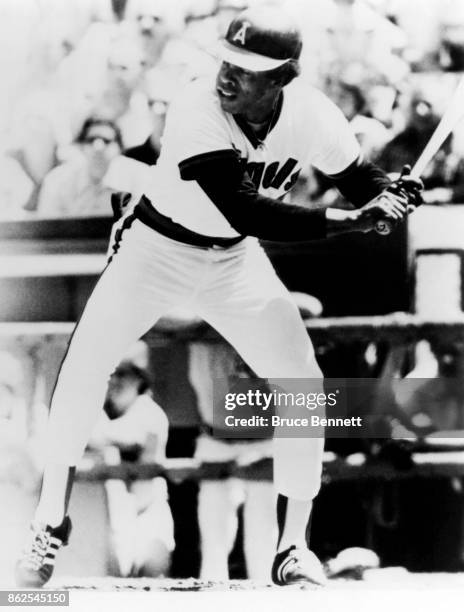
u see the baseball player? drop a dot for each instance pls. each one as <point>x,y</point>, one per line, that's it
<point>233,147</point>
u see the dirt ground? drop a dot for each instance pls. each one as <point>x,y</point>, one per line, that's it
<point>380,579</point>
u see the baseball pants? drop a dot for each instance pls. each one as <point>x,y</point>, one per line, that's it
<point>235,290</point>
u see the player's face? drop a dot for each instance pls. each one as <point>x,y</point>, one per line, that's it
<point>246,93</point>
<point>122,393</point>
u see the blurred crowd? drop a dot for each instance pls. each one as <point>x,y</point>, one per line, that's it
<point>86,85</point>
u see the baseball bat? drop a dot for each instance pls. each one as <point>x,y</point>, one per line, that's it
<point>451,117</point>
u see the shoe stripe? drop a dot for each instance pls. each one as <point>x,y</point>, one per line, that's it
<point>38,558</point>
<point>44,573</point>
<point>49,560</point>
<point>279,569</point>
<point>283,566</point>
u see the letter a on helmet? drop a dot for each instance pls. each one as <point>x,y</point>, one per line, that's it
<point>240,35</point>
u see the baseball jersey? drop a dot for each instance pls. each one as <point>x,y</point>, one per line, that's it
<point>307,129</point>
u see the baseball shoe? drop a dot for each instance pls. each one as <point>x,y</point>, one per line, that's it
<point>297,566</point>
<point>37,562</point>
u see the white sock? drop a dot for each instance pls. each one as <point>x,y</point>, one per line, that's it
<point>54,496</point>
<point>293,518</point>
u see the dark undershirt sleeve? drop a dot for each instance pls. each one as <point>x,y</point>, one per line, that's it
<point>251,214</point>
<point>360,182</point>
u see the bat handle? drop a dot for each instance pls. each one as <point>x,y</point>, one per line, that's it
<point>383,227</point>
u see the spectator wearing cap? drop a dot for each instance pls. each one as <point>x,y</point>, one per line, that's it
<point>76,188</point>
<point>134,428</point>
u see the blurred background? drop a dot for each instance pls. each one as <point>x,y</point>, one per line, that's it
<point>85,88</point>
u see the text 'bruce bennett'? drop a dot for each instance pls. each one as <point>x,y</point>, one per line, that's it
<point>278,421</point>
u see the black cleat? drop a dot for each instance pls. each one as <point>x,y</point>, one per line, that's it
<point>297,566</point>
<point>35,567</point>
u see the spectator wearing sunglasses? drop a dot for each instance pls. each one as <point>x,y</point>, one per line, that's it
<point>76,188</point>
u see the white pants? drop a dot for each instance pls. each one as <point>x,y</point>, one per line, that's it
<point>235,290</point>
<point>142,539</point>
<point>218,503</point>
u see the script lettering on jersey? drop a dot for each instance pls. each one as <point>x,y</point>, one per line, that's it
<point>271,175</point>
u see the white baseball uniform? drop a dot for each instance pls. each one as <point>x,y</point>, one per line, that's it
<point>235,289</point>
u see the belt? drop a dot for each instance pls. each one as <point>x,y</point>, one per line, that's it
<point>147,214</point>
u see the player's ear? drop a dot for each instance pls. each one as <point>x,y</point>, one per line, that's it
<point>286,73</point>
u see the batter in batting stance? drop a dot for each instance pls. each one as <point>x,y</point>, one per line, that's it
<point>232,149</point>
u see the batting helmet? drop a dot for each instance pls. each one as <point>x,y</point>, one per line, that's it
<point>260,39</point>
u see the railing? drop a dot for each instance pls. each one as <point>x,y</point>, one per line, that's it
<point>397,329</point>
<point>423,465</point>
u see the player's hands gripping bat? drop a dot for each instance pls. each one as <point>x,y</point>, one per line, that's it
<point>408,189</point>
<point>389,208</point>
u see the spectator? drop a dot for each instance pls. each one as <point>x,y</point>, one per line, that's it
<point>13,415</point>
<point>423,34</point>
<point>124,71</point>
<point>16,188</point>
<point>370,132</point>
<point>190,54</point>
<point>37,128</point>
<point>146,26</point>
<point>349,35</point>
<point>76,188</point>
<point>154,22</point>
<point>444,176</point>
<point>451,52</point>
<point>438,402</point>
<point>19,475</point>
<point>219,500</point>
<point>160,86</point>
<point>103,77</point>
<point>41,95</point>
<point>134,428</point>
<point>430,399</point>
